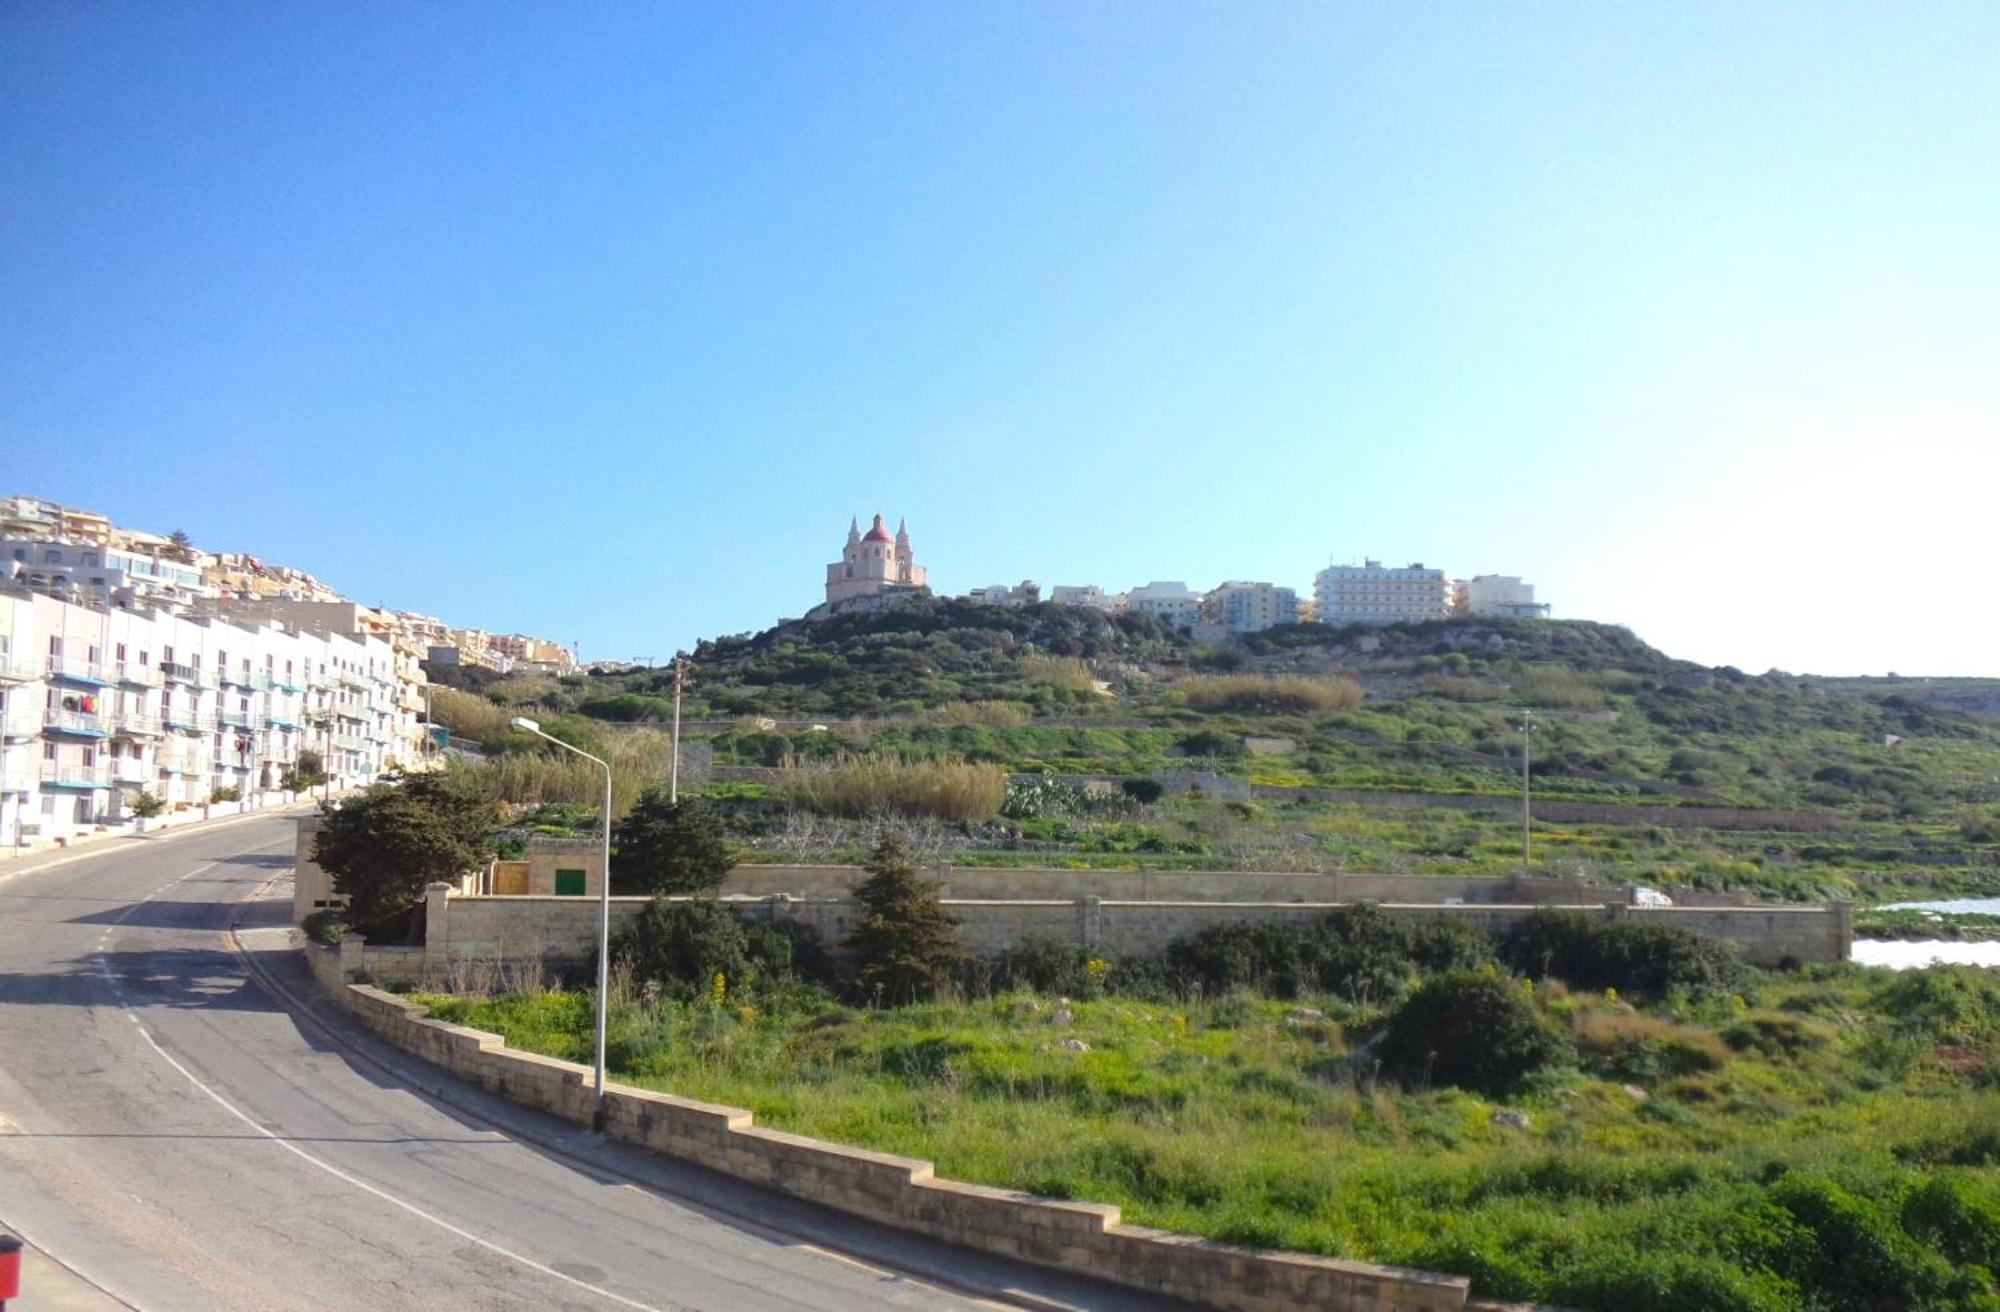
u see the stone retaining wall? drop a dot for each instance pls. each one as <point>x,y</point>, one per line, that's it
<point>562,931</point>
<point>1087,1238</point>
<point>984,883</point>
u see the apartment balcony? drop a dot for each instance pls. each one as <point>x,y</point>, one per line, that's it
<point>176,672</point>
<point>286,683</point>
<point>280,721</point>
<point>18,726</point>
<point>237,680</point>
<point>134,675</point>
<point>58,774</point>
<point>185,767</point>
<point>131,770</point>
<point>138,726</point>
<point>76,724</point>
<point>238,721</point>
<point>184,721</point>
<point>73,669</point>
<point>19,669</point>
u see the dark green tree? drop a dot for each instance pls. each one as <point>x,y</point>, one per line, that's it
<point>306,772</point>
<point>904,945</point>
<point>669,847</point>
<point>382,847</point>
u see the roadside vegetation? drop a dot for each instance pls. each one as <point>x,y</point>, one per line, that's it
<point>1694,1136</point>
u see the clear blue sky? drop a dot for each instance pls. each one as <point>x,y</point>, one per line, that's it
<point>600,321</point>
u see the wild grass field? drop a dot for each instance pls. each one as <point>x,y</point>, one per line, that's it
<point>1829,1139</point>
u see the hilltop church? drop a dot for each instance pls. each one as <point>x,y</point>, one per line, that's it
<point>874,569</point>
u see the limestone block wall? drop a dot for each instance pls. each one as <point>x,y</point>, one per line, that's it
<point>563,930</point>
<point>1088,1238</point>
<point>1042,884</point>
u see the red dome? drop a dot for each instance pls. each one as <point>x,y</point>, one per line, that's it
<point>878,533</point>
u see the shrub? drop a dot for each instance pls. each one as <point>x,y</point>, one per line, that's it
<point>1271,693</point>
<point>325,926</point>
<point>1469,1029</point>
<point>869,786</point>
<point>1640,959</point>
<point>1209,742</point>
<point>1047,966</point>
<point>229,794</point>
<point>1269,958</point>
<point>905,947</point>
<point>1959,1004</point>
<point>147,805</point>
<point>1365,952</point>
<point>1855,1253</point>
<point>1629,1046</point>
<point>669,847</point>
<point>1948,1213</point>
<point>684,944</point>
<point>1143,791</point>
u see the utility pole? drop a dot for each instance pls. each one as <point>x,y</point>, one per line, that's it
<point>674,771</point>
<point>1527,726</point>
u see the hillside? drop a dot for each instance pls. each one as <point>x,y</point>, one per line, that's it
<point>1368,749</point>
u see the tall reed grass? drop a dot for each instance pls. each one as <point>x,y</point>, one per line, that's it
<point>860,786</point>
<point>1283,693</point>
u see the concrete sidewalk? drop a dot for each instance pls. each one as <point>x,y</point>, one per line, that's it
<point>99,844</point>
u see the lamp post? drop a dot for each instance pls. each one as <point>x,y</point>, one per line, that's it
<point>526,725</point>
<point>674,774</point>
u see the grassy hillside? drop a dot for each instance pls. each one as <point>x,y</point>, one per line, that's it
<point>1313,748</point>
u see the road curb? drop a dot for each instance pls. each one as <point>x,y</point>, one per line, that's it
<point>440,1088</point>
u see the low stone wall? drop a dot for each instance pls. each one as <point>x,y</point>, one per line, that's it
<point>562,931</point>
<point>1087,1238</point>
<point>984,883</point>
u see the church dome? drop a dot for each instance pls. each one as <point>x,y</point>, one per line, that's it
<point>877,533</point>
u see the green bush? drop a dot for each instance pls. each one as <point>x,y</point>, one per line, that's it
<point>1051,966</point>
<point>905,948</point>
<point>683,945</point>
<point>1143,791</point>
<point>147,805</point>
<point>1854,1252</point>
<point>1651,960</point>
<point>1270,958</point>
<point>1950,1214</point>
<point>1958,1004</point>
<point>1470,1029</point>
<point>325,926</point>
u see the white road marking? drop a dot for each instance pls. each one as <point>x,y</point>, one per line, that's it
<point>104,969</point>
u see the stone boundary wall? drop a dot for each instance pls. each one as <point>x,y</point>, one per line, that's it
<point>1004,883</point>
<point>1086,1238</point>
<point>562,931</point>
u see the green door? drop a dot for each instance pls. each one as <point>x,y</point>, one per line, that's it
<point>569,883</point>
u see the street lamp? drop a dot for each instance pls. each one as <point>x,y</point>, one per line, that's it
<point>526,725</point>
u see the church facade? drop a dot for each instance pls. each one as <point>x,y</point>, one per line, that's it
<point>873,568</point>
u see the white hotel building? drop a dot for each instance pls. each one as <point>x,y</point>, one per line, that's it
<point>99,705</point>
<point>1370,594</point>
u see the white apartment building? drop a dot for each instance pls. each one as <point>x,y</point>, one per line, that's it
<point>1242,607</point>
<point>1085,594</point>
<point>1171,601</point>
<point>98,573</point>
<point>1025,593</point>
<point>101,704</point>
<point>1497,596</point>
<point>1369,593</point>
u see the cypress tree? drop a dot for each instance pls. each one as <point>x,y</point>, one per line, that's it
<point>905,946</point>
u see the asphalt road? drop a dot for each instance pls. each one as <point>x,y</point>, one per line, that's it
<point>178,1137</point>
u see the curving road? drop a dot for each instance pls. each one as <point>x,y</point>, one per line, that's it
<point>182,1140</point>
